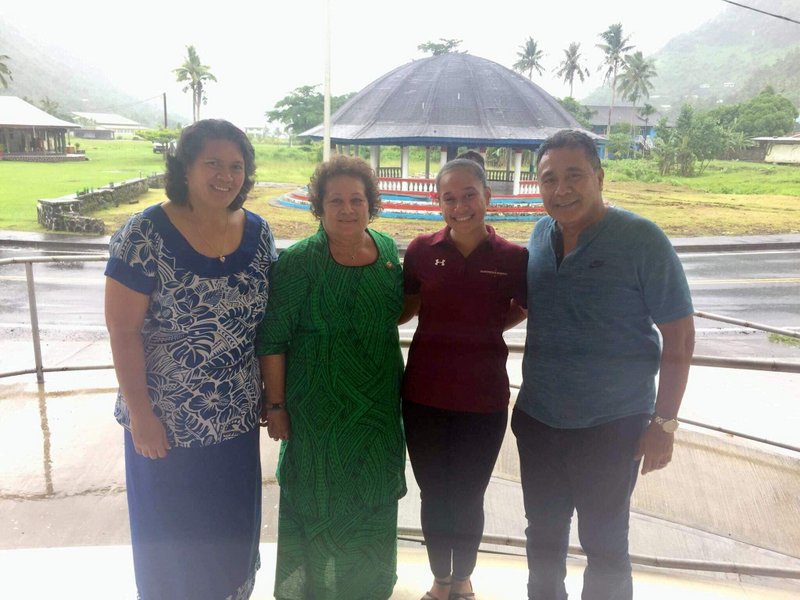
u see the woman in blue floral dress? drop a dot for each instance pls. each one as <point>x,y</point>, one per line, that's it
<point>187,284</point>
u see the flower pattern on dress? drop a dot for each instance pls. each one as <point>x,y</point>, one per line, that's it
<point>201,368</point>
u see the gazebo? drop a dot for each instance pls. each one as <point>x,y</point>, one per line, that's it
<point>450,101</point>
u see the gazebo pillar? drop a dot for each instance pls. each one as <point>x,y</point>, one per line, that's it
<point>442,156</point>
<point>404,166</point>
<point>427,162</point>
<point>517,170</point>
<point>375,158</point>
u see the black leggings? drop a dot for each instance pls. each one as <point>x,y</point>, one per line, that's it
<point>452,454</point>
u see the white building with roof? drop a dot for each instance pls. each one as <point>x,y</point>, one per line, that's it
<point>28,130</point>
<point>122,127</point>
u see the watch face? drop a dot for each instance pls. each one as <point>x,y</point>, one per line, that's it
<point>670,426</point>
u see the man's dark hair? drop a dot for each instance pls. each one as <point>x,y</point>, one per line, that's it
<point>570,138</point>
<point>190,145</point>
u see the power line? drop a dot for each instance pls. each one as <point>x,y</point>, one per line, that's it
<point>136,102</point>
<point>763,12</point>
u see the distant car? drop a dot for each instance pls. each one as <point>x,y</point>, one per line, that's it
<point>161,147</point>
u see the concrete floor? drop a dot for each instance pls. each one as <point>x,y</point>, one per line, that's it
<point>63,519</point>
<point>105,573</point>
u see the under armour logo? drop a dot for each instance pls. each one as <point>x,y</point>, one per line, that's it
<point>439,262</point>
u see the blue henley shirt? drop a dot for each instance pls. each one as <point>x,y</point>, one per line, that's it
<point>592,349</point>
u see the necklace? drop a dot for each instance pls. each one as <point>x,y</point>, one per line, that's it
<point>351,252</point>
<point>221,252</point>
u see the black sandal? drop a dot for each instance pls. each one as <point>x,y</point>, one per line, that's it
<point>444,581</point>
<point>462,595</point>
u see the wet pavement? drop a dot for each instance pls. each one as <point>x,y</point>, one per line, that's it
<point>62,496</point>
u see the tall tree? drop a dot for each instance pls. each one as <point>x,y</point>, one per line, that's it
<point>443,46</point>
<point>581,113</point>
<point>5,72</point>
<point>635,80</point>
<point>195,74</point>
<point>767,114</point>
<point>302,109</point>
<point>647,111</point>
<point>530,57</point>
<point>52,107</point>
<point>615,46</point>
<point>572,66</point>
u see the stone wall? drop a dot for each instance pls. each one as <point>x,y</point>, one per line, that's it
<point>68,212</point>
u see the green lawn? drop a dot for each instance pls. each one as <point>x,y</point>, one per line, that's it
<point>720,177</point>
<point>730,198</point>
<point>22,184</point>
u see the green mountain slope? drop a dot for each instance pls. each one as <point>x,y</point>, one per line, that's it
<point>728,59</point>
<point>41,69</point>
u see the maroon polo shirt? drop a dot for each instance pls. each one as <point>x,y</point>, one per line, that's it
<point>457,359</point>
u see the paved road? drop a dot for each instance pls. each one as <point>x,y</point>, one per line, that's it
<point>760,286</point>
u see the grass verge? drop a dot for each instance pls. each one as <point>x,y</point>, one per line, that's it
<point>777,338</point>
<point>730,198</point>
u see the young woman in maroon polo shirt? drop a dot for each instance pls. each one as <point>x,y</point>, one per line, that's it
<point>467,284</point>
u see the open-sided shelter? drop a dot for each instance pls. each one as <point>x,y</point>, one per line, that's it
<point>27,131</point>
<point>449,101</point>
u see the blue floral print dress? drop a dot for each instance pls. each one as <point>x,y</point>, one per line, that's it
<point>195,515</point>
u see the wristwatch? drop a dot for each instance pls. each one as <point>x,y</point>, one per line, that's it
<point>668,425</point>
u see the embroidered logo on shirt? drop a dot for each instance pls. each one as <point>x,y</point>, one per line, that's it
<point>439,262</point>
<point>596,263</point>
<point>493,272</point>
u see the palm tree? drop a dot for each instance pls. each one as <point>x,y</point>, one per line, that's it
<point>51,107</point>
<point>634,81</point>
<point>571,66</point>
<point>195,74</point>
<point>647,111</point>
<point>614,46</point>
<point>5,72</point>
<point>529,58</point>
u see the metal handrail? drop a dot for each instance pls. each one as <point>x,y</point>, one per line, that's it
<point>413,534</point>
<point>750,324</point>
<point>32,308</point>
<point>697,360</point>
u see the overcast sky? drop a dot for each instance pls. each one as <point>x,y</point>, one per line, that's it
<point>261,50</point>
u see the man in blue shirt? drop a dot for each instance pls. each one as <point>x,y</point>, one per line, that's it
<point>602,284</point>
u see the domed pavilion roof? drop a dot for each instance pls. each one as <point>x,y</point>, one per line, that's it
<point>449,99</point>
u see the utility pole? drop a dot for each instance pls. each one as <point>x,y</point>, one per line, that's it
<point>164,95</point>
<point>326,110</point>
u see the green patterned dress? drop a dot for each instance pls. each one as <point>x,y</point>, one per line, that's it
<point>341,472</point>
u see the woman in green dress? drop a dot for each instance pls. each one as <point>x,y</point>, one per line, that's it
<point>332,369</point>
